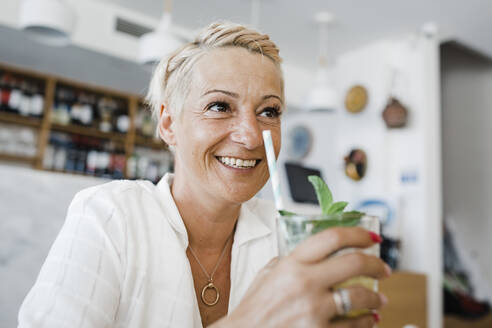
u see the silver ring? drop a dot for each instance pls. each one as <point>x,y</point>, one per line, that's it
<point>343,305</point>
<point>337,298</point>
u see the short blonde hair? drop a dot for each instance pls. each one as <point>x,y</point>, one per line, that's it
<point>172,77</point>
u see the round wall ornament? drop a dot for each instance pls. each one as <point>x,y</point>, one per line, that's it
<point>299,141</point>
<point>356,164</point>
<point>356,99</point>
<point>395,115</point>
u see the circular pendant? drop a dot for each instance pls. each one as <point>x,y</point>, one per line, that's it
<point>210,285</point>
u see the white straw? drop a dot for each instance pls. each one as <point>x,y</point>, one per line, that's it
<point>272,167</point>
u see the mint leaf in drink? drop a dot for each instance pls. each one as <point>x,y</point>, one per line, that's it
<point>337,207</point>
<point>352,215</point>
<point>286,213</point>
<point>323,193</point>
<point>335,216</point>
<point>325,224</point>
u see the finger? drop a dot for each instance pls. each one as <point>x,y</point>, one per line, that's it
<point>327,242</point>
<point>366,320</point>
<point>341,268</point>
<point>362,298</point>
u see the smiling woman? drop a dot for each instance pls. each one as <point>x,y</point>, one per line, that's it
<point>193,250</point>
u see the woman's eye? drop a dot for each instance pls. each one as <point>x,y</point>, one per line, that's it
<point>218,107</point>
<point>270,112</point>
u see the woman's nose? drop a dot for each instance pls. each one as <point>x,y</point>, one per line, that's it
<point>247,132</point>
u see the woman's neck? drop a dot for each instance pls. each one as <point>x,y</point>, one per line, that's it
<point>208,220</point>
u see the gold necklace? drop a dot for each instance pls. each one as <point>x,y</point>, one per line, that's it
<point>210,283</point>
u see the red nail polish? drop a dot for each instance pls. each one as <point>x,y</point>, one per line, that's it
<point>376,317</point>
<point>375,237</point>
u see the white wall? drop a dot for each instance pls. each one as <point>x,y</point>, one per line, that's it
<point>414,150</point>
<point>467,179</point>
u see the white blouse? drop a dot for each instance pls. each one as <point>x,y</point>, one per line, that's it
<point>120,260</point>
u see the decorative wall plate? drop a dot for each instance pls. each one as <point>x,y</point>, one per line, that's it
<point>299,142</point>
<point>356,164</point>
<point>356,99</point>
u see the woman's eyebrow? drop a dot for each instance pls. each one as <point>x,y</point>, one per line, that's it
<point>235,95</point>
<point>229,93</point>
<point>273,96</point>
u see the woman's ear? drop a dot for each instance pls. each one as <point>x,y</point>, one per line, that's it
<point>166,126</point>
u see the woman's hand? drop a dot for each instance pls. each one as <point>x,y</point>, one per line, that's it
<point>296,291</point>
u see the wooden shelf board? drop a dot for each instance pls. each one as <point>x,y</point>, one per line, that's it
<point>149,142</point>
<point>17,158</point>
<point>88,131</point>
<point>19,119</point>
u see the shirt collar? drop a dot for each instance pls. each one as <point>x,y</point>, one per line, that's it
<point>173,216</point>
<point>249,226</point>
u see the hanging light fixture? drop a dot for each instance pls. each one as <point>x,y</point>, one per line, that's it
<point>322,96</point>
<point>155,45</point>
<point>48,21</point>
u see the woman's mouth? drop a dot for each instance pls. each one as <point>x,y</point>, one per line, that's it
<point>238,163</point>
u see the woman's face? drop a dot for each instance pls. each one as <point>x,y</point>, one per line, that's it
<point>234,96</point>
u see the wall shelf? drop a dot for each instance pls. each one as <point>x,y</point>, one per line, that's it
<point>120,142</point>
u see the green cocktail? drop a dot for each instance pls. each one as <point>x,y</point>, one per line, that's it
<point>293,228</point>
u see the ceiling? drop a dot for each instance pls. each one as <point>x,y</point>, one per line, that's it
<point>290,22</point>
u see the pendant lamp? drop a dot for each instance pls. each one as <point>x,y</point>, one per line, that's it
<point>48,21</point>
<point>322,96</point>
<point>157,44</point>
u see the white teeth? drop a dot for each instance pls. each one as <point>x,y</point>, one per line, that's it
<point>237,162</point>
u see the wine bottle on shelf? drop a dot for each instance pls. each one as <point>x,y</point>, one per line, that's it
<point>152,171</point>
<point>62,107</point>
<point>71,158</point>
<point>106,107</point>
<point>122,123</point>
<point>25,100</point>
<point>1,87</point>
<point>131,167</point>
<point>15,96</point>
<point>6,92</point>
<point>37,101</point>
<point>76,109</point>
<point>91,161</point>
<point>49,157</point>
<point>89,110</point>
<point>148,127</point>
<point>105,164</point>
<point>60,157</point>
<point>118,165</point>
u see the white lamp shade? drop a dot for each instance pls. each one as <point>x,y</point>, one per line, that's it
<point>322,96</point>
<point>156,45</point>
<point>48,21</point>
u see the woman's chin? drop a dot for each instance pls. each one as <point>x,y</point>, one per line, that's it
<point>238,195</point>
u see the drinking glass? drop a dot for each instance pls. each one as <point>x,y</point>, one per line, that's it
<point>293,229</point>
